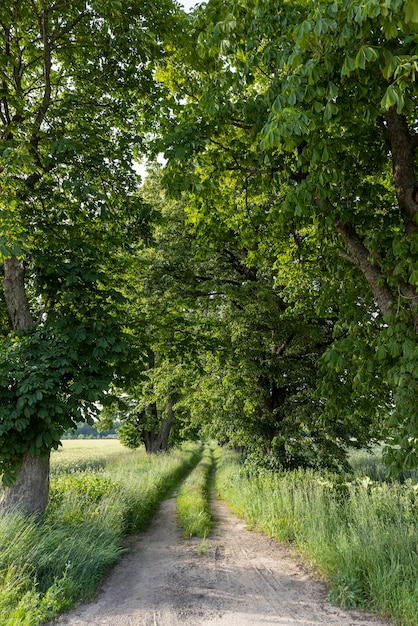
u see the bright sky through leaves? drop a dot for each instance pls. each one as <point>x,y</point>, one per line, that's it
<point>189,4</point>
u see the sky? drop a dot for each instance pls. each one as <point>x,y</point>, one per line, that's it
<point>188,4</point>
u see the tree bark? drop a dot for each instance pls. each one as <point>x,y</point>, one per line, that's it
<point>15,295</point>
<point>167,424</point>
<point>151,441</point>
<point>158,442</point>
<point>30,491</point>
<point>403,146</point>
<point>359,255</point>
<point>29,494</point>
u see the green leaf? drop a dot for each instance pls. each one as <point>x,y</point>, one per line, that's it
<point>390,97</point>
<point>292,98</point>
<point>390,64</point>
<point>414,277</point>
<point>348,67</point>
<point>366,54</point>
<point>390,29</point>
<point>328,112</point>
<point>332,91</point>
<point>411,11</point>
<point>360,61</point>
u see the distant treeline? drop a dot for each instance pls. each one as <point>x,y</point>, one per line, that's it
<point>85,431</point>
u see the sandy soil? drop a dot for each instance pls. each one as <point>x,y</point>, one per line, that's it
<point>236,578</point>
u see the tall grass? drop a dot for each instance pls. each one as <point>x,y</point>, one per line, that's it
<point>362,535</point>
<point>48,567</point>
<point>193,499</point>
<point>369,463</point>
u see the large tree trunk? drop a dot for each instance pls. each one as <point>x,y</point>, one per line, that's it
<point>30,491</point>
<point>15,296</point>
<point>403,146</point>
<point>158,442</point>
<point>167,424</point>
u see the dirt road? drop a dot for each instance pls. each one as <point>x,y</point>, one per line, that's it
<point>235,578</point>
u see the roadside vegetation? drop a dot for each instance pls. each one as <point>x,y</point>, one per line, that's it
<point>193,499</point>
<point>360,533</point>
<point>46,568</point>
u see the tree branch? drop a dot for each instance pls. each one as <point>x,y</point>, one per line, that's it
<point>70,26</point>
<point>359,255</point>
<point>43,27</point>
<point>279,350</point>
<point>15,295</point>
<point>403,146</point>
<point>239,124</point>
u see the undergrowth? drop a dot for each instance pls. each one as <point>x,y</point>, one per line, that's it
<point>47,567</point>
<point>361,534</point>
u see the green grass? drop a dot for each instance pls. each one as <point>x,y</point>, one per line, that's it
<point>193,499</point>
<point>361,534</point>
<point>48,567</point>
<point>368,463</point>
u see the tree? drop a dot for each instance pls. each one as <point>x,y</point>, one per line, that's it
<point>162,302</point>
<point>73,79</point>
<point>312,108</point>
<point>258,388</point>
<point>238,363</point>
<point>146,411</point>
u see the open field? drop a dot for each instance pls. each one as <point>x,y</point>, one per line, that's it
<point>81,454</point>
<point>368,463</point>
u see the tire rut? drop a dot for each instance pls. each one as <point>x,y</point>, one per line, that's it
<point>234,578</point>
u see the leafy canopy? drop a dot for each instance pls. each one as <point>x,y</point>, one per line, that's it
<point>75,87</point>
<point>295,125</point>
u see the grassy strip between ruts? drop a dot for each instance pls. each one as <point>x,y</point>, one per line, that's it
<point>192,503</point>
<point>362,535</point>
<point>46,568</point>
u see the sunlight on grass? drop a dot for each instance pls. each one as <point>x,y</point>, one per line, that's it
<point>81,454</point>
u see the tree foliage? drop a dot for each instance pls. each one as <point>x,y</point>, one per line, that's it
<point>274,290</point>
<point>75,84</point>
<point>235,360</point>
<point>301,120</point>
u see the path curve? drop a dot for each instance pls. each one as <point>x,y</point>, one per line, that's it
<point>235,578</point>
